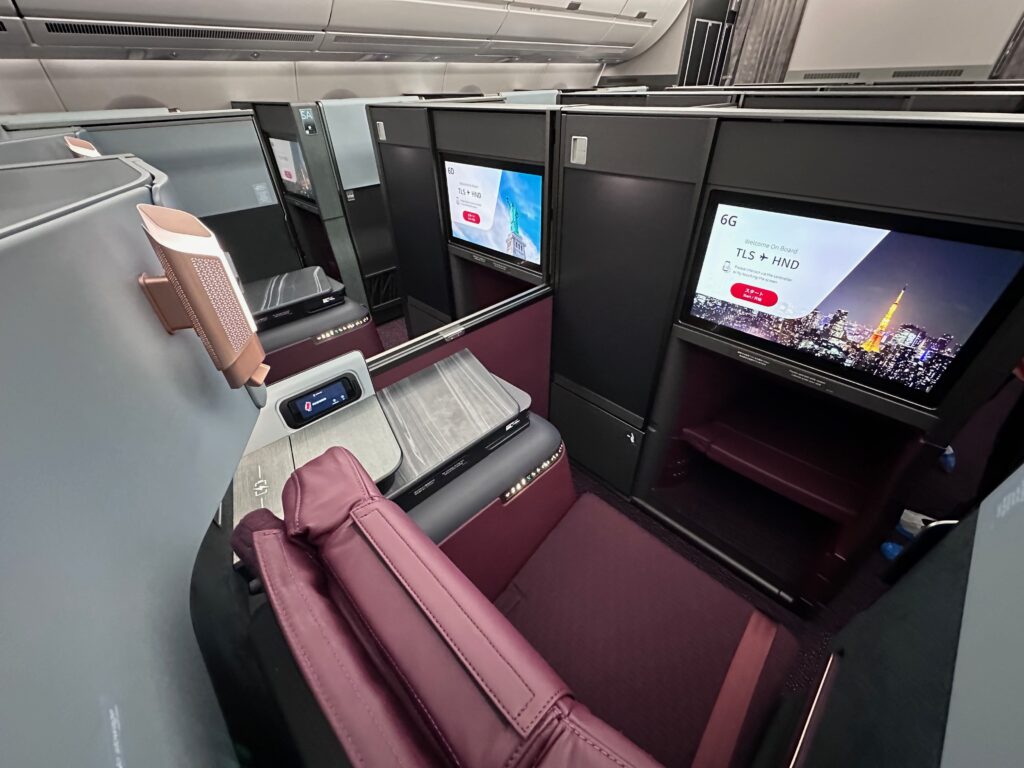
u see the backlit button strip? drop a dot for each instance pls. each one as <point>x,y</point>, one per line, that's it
<point>328,335</point>
<point>522,484</point>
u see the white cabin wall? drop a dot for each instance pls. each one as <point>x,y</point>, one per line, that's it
<point>24,87</point>
<point>28,85</point>
<point>104,84</point>
<point>495,78</point>
<point>877,36</point>
<point>342,80</point>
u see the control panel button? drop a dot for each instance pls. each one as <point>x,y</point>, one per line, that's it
<point>755,295</point>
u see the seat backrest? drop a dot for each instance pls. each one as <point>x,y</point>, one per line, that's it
<point>410,663</point>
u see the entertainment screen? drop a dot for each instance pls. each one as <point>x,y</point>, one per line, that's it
<point>497,209</point>
<point>865,295</point>
<point>291,167</point>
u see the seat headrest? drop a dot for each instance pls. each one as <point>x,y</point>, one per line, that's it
<point>322,495</point>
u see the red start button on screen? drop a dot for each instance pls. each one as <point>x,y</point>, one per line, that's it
<point>472,218</point>
<point>754,295</point>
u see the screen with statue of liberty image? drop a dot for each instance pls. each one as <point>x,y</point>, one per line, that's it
<point>497,209</point>
<point>867,295</point>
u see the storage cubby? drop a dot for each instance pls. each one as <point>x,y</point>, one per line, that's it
<point>787,482</point>
<point>478,286</point>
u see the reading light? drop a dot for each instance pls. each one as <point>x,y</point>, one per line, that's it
<point>198,290</point>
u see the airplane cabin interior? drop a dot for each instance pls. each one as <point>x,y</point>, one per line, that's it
<point>511,383</point>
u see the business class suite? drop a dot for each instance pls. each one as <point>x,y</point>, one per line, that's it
<point>508,384</point>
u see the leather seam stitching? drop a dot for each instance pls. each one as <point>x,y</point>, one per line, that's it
<point>440,627</point>
<point>305,658</point>
<point>578,731</point>
<point>301,590</point>
<point>298,501</point>
<point>397,669</point>
<point>368,495</point>
<point>517,753</point>
<point>470,618</point>
<point>559,692</point>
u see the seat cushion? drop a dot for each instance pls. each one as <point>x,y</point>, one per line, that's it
<point>640,634</point>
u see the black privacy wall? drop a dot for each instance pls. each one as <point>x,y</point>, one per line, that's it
<point>628,202</point>
<point>406,156</point>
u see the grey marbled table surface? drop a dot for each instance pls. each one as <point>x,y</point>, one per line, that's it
<point>406,430</point>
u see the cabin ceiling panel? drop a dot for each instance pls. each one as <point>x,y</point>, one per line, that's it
<point>283,14</point>
<point>99,84</point>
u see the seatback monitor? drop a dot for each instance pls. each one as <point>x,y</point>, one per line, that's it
<point>894,302</point>
<point>497,208</point>
<point>291,167</point>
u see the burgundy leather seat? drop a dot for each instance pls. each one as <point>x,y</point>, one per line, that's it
<point>408,660</point>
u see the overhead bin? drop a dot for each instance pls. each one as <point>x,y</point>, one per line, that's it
<point>359,42</point>
<point>627,32</point>
<point>563,26</point>
<point>607,7</point>
<point>580,30</point>
<point>278,14</point>
<point>652,10</point>
<point>418,17</point>
<point>661,14</point>
<point>12,30</point>
<point>579,51</point>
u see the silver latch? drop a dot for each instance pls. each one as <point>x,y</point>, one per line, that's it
<point>381,133</point>
<point>453,333</point>
<point>578,150</point>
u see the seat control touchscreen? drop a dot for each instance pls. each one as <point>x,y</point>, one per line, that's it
<point>317,403</point>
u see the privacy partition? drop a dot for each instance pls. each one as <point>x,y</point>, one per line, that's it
<point>119,440</point>
<point>218,171</point>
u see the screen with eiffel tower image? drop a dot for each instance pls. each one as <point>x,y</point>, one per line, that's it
<point>497,209</point>
<point>891,305</point>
